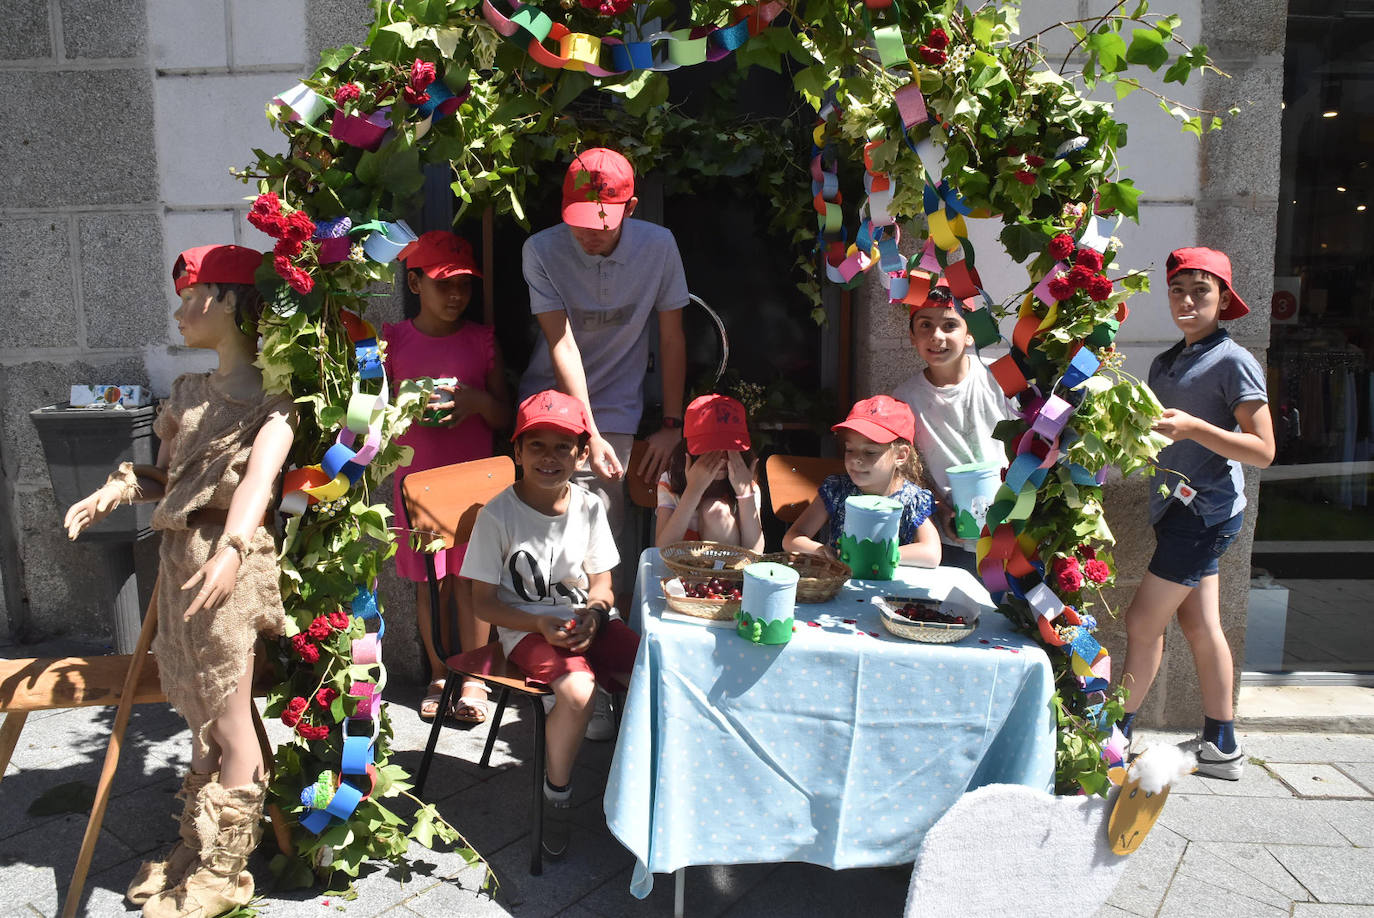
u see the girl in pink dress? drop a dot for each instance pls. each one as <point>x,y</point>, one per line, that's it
<point>439,343</point>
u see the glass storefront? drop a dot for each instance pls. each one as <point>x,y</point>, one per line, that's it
<point>1312,602</point>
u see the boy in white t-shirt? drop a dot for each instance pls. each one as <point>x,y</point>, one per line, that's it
<point>957,403</point>
<point>540,561</point>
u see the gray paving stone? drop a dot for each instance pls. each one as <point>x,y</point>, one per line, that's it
<point>1244,870</point>
<point>35,266</point>
<point>1320,910</point>
<point>1255,781</point>
<point>1149,870</point>
<point>123,282</point>
<point>1361,772</point>
<point>36,864</point>
<point>806,889</point>
<point>103,28</point>
<point>1353,819</point>
<point>1317,780</point>
<point>1189,897</point>
<point>1258,820</point>
<point>1310,747</point>
<point>1111,911</point>
<point>25,35</point>
<point>710,891</point>
<point>23,789</point>
<point>1342,875</point>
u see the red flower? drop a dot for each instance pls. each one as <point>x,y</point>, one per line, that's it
<point>1067,574</point>
<point>266,203</point>
<point>1034,161</point>
<point>265,214</point>
<point>319,629</point>
<point>1087,552</point>
<point>939,38</point>
<point>1061,247</point>
<point>932,56</point>
<point>300,281</point>
<point>1079,277</point>
<point>299,227</point>
<point>414,96</point>
<point>304,649</point>
<point>1024,177</point>
<point>288,248</point>
<point>422,73</point>
<point>290,719</point>
<point>1013,150</point>
<point>297,705</point>
<point>339,620</point>
<point>325,696</point>
<point>1097,571</point>
<point>313,732</point>
<point>1089,258</point>
<point>346,93</point>
<point>1060,288</point>
<point>1099,287</point>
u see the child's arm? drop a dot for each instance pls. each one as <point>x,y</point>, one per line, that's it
<point>247,508</point>
<point>925,551</point>
<point>600,601</point>
<point>489,608</point>
<point>1253,444</point>
<point>572,379</point>
<point>799,534</point>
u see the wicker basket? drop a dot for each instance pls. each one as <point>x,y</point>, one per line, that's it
<point>927,632</point>
<point>704,560</point>
<point>714,609</point>
<point>821,578</point>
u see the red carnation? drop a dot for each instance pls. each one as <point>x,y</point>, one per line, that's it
<point>1079,276</point>
<point>346,93</point>
<point>304,649</point>
<point>932,56</point>
<point>939,38</point>
<point>1034,161</point>
<point>1089,258</point>
<point>300,281</point>
<point>1024,177</point>
<point>299,227</point>
<point>1067,574</point>
<point>1013,150</point>
<point>325,696</point>
<point>1097,571</point>
<point>422,73</point>
<point>319,629</point>
<point>1099,287</point>
<point>282,264</point>
<point>1087,551</point>
<point>1061,247</point>
<point>339,620</point>
<point>266,203</point>
<point>288,248</point>
<point>265,214</point>
<point>312,732</point>
<point>297,705</point>
<point>414,96</point>
<point>290,719</point>
<point>1060,288</point>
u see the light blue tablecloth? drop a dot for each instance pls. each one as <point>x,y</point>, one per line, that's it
<point>840,748</point>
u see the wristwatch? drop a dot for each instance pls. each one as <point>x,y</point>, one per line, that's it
<point>672,423</point>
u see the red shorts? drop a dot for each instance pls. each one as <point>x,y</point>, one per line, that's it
<point>612,652</point>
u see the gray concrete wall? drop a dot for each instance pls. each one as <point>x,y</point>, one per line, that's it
<point>1219,192</point>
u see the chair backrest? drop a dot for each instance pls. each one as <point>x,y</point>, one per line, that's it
<point>641,493</point>
<point>794,480</point>
<point>445,500</point>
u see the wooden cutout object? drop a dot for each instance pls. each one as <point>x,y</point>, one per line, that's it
<point>1133,816</point>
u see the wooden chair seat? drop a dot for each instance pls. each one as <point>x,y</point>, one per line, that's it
<point>794,480</point>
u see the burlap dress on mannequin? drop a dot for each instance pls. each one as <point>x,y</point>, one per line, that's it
<point>210,436</point>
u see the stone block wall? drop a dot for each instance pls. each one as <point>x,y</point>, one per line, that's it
<point>1220,192</point>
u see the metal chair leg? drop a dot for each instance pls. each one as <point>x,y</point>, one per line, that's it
<point>440,715</point>
<point>537,803</point>
<point>501,701</point>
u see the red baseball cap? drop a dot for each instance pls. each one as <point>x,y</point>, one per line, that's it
<point>215,264</point>
<point>440,254</point>
<point>882,419</point>
<point>715,422</point>
<point>1213,262</point>
<point>598,185</point>
<point>551,408</point>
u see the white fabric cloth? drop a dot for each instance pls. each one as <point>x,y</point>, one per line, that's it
<point>540,563</point>
<point>954,424</point>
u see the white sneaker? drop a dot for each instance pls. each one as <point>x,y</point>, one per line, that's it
<point>1214,763</point>
<point>602,725</point>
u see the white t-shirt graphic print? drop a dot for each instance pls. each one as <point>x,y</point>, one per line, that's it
<point>540,563</point>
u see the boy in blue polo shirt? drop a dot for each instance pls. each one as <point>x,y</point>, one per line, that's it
<point>1217,414</point>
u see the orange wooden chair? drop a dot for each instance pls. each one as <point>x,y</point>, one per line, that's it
<point>443,502</point>
<point>794,480</point>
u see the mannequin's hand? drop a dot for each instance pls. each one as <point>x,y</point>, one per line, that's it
<point>217,577</point>
<point>741,475</point>
<point>90,510</point>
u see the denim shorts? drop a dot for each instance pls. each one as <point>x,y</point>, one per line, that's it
<point>1186,549</point>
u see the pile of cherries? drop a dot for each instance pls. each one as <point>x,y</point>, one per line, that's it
<point>713,589</point>
<point>926,614</point>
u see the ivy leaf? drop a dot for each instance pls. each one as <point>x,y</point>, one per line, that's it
<point>1147,47</point>
<point>1121,196</point>
<point>1109,48</point>
<point>331,58</point>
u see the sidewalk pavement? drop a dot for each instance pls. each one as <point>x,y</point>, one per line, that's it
<point>1295,836</point>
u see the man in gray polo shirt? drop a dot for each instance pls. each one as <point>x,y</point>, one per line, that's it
<point>595,279</point>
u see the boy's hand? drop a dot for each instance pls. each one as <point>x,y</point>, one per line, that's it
<point>583,632</point>
<point>557,630</point>
<point>1175,424</point>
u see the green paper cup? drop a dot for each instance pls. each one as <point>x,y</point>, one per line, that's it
<point>973,486</point>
